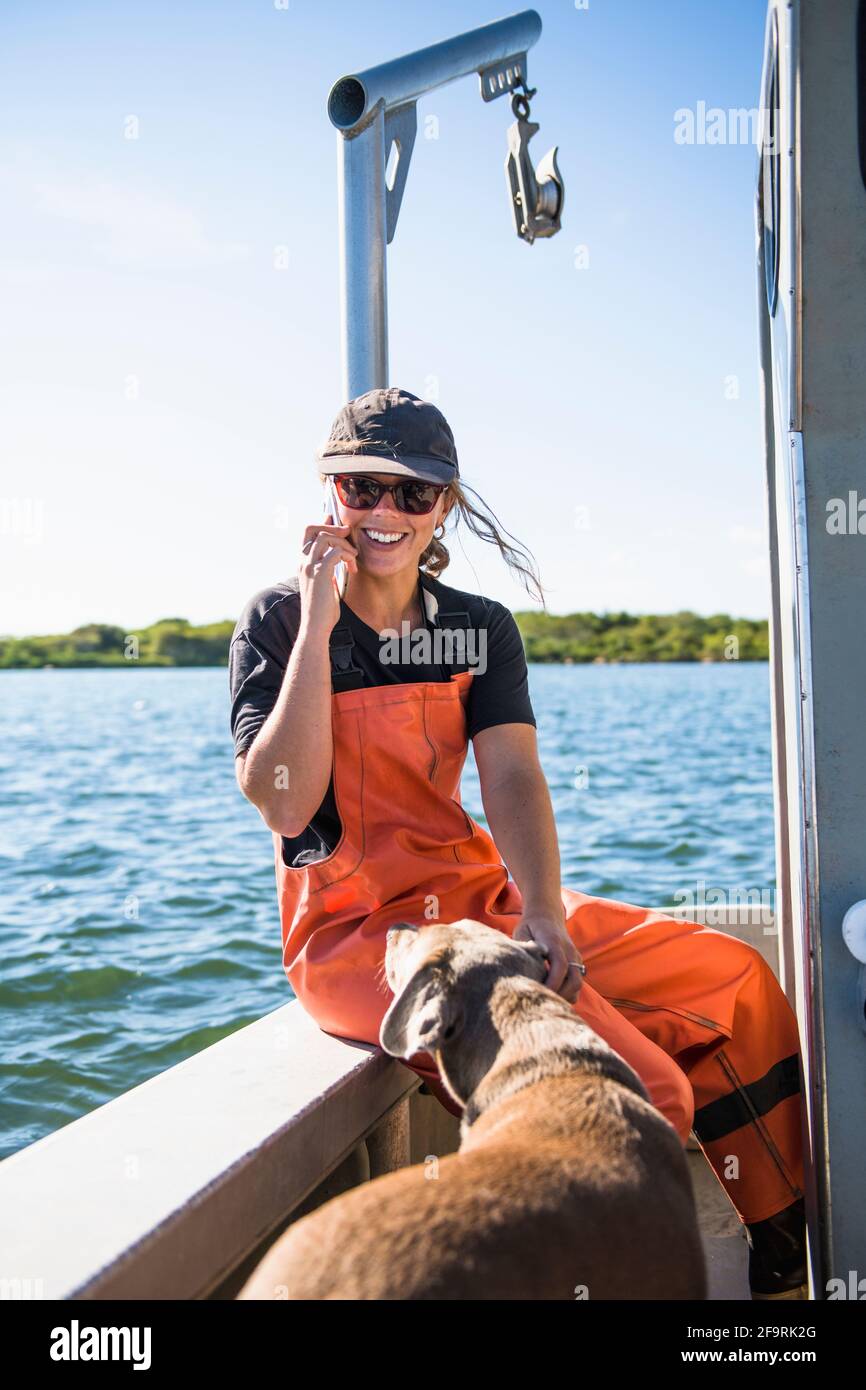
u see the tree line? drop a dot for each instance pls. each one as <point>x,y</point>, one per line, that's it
<point>547,637</point>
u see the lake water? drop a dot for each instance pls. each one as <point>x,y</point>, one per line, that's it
<point>137,898</point>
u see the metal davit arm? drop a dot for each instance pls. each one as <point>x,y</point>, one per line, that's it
<point>375,110</point>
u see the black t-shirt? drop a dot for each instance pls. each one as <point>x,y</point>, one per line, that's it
<point>265,634</point>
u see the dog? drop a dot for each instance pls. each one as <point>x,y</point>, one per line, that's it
<point>568,1182</point>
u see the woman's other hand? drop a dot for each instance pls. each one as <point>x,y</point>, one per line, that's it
<point>562,955</point>
<point>325,545</point>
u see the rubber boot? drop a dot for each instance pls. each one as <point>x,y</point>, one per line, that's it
<point>777,1254</point>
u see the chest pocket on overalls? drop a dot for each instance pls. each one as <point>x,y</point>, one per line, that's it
<point>453,634</point>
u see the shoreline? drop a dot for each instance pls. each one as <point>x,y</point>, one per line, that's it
<point>530,661</point>
<point>569,639</point>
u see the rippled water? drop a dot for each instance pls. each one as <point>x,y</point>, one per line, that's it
<point>137,899</point>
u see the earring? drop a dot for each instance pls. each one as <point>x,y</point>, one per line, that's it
<point>439,532</point>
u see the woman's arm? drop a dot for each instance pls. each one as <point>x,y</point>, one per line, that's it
<point>520,815</point>
<point>286,770</point>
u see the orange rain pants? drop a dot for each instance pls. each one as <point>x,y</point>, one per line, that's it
<point>698,1014</point>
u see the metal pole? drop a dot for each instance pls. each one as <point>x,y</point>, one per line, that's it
<point>373,110</point>
<point>363,262</point>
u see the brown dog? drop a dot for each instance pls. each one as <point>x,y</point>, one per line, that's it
<point>568,1183</point>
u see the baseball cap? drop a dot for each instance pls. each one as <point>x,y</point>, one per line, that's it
<point>389,430</point>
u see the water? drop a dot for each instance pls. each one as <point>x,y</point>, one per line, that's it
<point>137,898</point>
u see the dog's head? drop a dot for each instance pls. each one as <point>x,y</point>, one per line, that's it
<point>442,977</point>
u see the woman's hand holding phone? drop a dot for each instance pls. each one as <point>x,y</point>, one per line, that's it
<point>332,515</point>
<point>325,546</point>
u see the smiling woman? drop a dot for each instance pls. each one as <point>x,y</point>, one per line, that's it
<point>354,761</point>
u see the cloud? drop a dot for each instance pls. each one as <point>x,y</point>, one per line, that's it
<point>137,226</point>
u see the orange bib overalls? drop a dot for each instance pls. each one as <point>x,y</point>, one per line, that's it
<point>698,1014</point>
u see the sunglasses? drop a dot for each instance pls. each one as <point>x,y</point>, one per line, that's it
<point>360,493</point>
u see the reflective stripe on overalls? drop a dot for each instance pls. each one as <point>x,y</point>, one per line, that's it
<point>697,1013</point>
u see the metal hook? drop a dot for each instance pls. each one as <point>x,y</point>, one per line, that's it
<point>520,101</point>
<point>537,195</point>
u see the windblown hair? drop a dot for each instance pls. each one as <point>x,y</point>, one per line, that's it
<point>487,527</point>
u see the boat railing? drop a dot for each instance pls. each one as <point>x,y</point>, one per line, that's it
<point>176,1188</point>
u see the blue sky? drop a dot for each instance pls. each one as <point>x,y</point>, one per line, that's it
<point>163,384</point>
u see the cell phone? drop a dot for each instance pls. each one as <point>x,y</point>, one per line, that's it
<point>331,510</point>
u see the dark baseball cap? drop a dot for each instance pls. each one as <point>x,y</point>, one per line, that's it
<point>388,430</point>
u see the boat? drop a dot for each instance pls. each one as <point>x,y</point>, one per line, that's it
<point>811,265</point>
<point>175,1189</point>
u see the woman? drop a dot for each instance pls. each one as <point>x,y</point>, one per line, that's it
<point>351,717</point>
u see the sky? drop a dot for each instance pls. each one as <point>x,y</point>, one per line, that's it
<point>169,333</point>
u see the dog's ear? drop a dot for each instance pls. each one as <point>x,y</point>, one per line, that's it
<point>537,954</point>
<point>423,1016</point>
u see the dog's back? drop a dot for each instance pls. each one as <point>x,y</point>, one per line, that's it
<point>568,1184</point>
<point>574,1187</point>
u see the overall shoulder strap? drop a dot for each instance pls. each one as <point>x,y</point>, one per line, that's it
<point>455,648</point>
<point>455,619</point>
<point>345,675</point>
